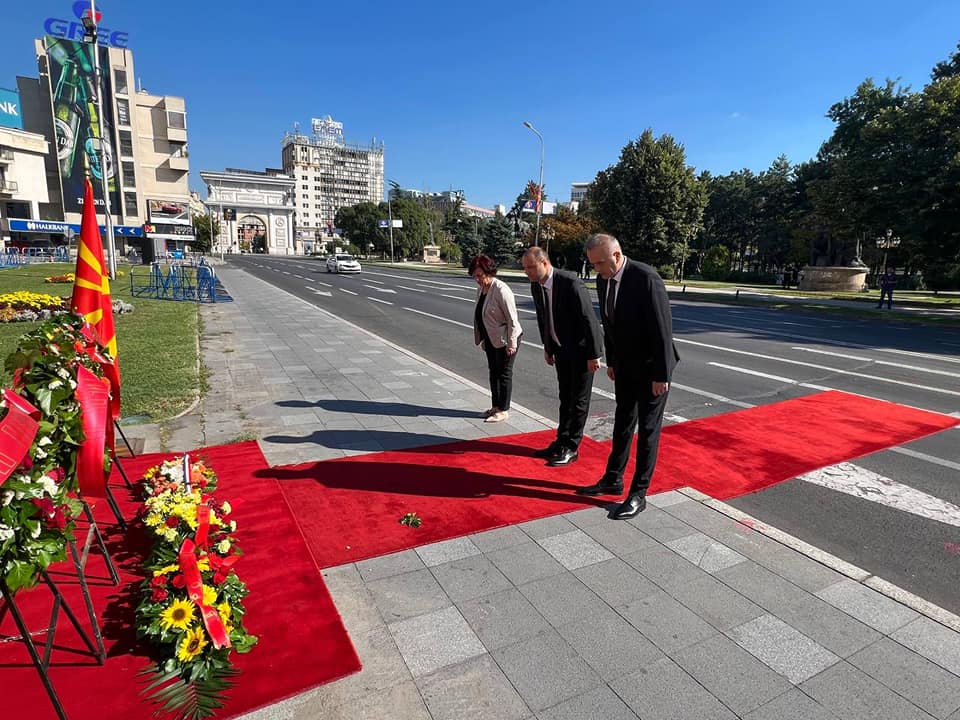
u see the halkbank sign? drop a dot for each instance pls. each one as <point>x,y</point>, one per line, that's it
<point>73,29</point>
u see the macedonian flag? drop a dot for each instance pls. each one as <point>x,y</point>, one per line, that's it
<point>91,292</point>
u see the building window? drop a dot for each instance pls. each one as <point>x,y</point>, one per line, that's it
<point>129,176</point>
<point>130,204</point>
<point>305,187</point>
<point>126,142</point>
<point>176,120</point>
<point>120,81</point>
<point>123,111</point>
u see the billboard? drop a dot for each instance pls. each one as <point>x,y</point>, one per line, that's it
<point>77,124</point>
<point>171,212</point>
<point>10,109</point>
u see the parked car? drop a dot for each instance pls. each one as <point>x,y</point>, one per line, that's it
<point>342,263</point>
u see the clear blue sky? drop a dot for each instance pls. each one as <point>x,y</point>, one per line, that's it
<point>447,85</point>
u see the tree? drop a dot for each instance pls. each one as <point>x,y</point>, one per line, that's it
<point>498,240</point>
<point>201,231</point>
<point>568,232</point>
<point>650,200</point>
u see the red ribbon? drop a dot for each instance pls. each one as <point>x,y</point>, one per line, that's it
<point>18,428</point>
<point>94,400</point>
<point>191,574</point>
<point>203,524</point>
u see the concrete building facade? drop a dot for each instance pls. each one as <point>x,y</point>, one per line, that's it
<point>329,174</point>
<point>23,183</point>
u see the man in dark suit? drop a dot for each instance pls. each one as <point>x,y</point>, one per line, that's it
<point>571,343</point>
<point>638,337</point>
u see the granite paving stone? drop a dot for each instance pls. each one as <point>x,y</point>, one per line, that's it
<point>849,693</point>
<point>840,633</point>
<point>661,525</point>
<point>575,549</point>
<point>663,691</point>
<point>545,670</point>
<point>599,703</point>
<point>387,565</point>
<point>792,705</point>
<point>499,538</point>
<point>525,562</point>
<point>912,676</point>
<point>706,553</point>
<point>665,622</point>
<point>716,603</point>
<point>615,582</point>
<point>475,689</point>
<point>546,527</point>
<point>664,567</point>
<point>562,598</point>
<point>443,552</point>
<point>783,648</point>
<point>619,538</point>
<point>435,640</point>
<point>470,577</point>
<point>932,640</point>
<point>734,676</point>
<point>611,645</point>
<point>503,618</point>
<point>403,596</point>
<point>868,606</point>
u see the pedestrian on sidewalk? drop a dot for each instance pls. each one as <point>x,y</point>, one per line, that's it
<point>888,281</point>
<point>638,338</point>
<point>572,344</point>
<point>496,329</point>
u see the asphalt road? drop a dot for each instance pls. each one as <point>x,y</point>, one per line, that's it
<point>898,514</point>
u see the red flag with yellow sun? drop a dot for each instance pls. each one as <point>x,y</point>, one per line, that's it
<point>91,292</point>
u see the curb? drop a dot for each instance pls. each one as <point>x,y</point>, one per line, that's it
<point>894,592</point>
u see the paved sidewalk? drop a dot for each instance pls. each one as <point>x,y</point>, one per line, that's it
<point>682,612</point>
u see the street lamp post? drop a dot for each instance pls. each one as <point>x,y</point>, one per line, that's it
<point>390,216</point>
<point>527,125</point>
<point>90,28</point>
<point>885,243</point>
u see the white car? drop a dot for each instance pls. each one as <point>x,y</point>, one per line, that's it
<point>341,263</point>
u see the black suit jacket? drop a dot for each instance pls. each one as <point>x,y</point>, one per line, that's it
<point>573,318</point>
<point>641,335</point>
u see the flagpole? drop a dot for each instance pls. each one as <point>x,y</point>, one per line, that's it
<point>107,218</point>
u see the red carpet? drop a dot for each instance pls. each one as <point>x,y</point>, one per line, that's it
<point>302,640</point>
<point>349,509</point>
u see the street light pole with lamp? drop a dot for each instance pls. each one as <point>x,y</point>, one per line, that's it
<point>90,35</point>
<point>530,127</point>
<point>885,243</point>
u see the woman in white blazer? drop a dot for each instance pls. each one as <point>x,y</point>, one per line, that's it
<point>496,329</point>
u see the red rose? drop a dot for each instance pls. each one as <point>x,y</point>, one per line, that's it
<point>58,519</point>
<point>158,595</point>
<point>159,581</point>
<point>172,521</point>
<point>177,581</point>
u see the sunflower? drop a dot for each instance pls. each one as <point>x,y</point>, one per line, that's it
<point>209,596</point>
<point>192,645</point>
<point>179,615</point>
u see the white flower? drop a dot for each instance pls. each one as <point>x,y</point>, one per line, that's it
<point>40,454</point>
<point>37,491</point>
<point>6,498</point>
<point>227,509</point>
<point>64,373</point>
<point>44,441</point>
<point>35,533</point>
<point>73,384</point>
<point>54,384</point>
<point>233,526</point>
<point>223,547</point>
<point>49,485</point>
<point>6,532</point>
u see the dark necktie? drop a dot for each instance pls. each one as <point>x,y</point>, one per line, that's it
<point>611,300</point>
<point>548,321</point>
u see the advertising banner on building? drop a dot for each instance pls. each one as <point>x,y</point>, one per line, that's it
<point>10,109</point>
<point>170,212</point>
<point>77,122</point>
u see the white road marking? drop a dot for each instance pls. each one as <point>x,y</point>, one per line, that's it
<point>867,485</point>
<point>411,289</point>
<point>300,276</point>
<point>384,302</point>
<point>285,272</point>
<point>712,396</point>
<point>378,282</point>
<point>877,362</point>
<point>308,279</point>
<point>349,292</point>
<point>755,373</point>
<point>877,378</point>
<point>929,356</point>
<point>318,292</point>
<point>323,283</point>
<point>927,458</point>
<point>383,290</point>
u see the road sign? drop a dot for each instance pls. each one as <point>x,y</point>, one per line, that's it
<point>383,224</point>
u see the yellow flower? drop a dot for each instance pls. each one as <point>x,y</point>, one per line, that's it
<point>192,645</point>
<point>203,564</point>
<point>153,520</point>
<point>166,570</point>
<point>209,596</point>
<point>225,611</point>
<point>179,615</point>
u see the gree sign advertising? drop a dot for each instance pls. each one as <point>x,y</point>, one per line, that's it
<point>77,124</point>
<point>10,109</point>
<point>73,29</point>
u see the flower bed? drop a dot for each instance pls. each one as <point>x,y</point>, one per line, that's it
<point>67,278</point>
<point>191,608</point>
<point>24,306</point>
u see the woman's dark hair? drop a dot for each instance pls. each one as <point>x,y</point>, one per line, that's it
<point>486,264</point>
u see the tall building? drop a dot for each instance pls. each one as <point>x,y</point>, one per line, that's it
<point>144,145</point>
<point>23,184</point>
<point>330,174</point>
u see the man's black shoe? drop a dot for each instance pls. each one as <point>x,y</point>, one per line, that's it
<point>548,452</point>
<point>564,457</point>
<point>633,505</point>
<point>604,487</point>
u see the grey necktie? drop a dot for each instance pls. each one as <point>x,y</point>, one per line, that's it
<point>611,300</point>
